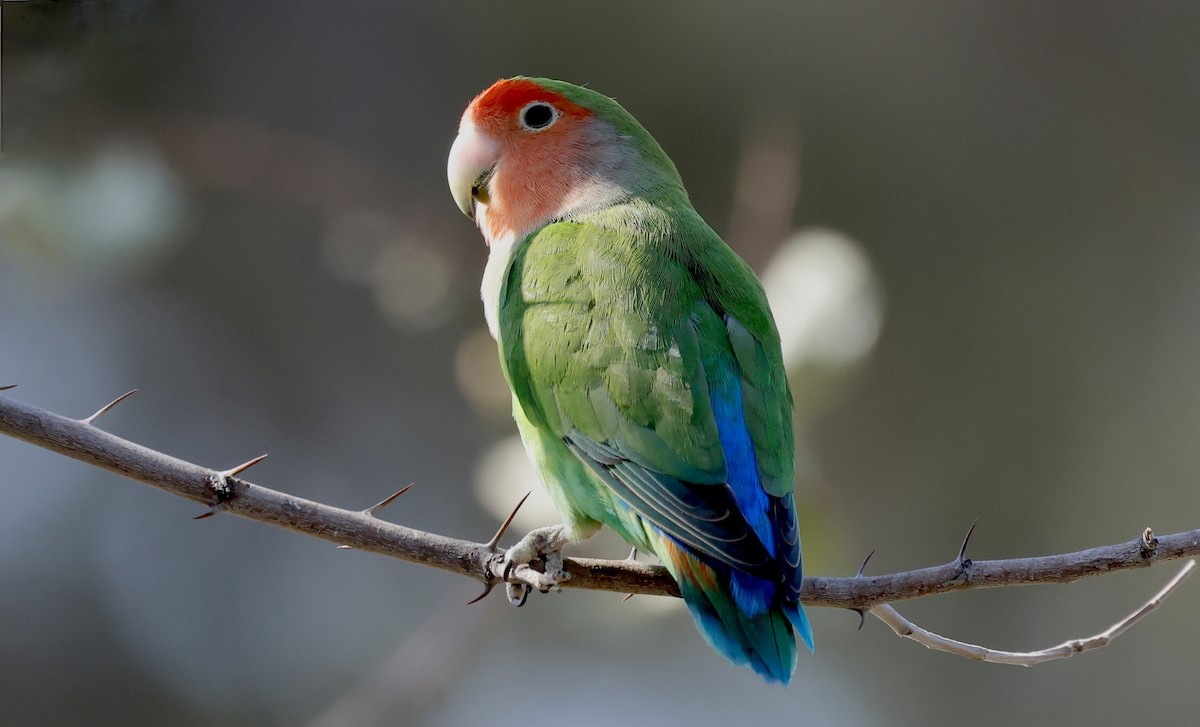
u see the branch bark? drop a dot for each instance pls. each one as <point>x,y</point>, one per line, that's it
<point>82,440</point>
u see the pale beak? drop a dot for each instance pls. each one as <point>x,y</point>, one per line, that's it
<point>472,160</point>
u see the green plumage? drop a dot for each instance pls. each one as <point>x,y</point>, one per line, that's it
<point>607,328</point>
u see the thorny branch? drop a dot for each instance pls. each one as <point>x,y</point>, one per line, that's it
<point>361,530</point>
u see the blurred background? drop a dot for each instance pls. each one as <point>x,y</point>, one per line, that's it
<point>978,224</point>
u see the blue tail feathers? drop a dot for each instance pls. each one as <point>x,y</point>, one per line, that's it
<point>764,641</point>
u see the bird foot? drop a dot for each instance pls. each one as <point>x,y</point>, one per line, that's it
<point>520,577</point>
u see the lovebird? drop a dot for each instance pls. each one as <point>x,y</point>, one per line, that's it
<point>647,379</point>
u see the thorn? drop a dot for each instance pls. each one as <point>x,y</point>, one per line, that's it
<point>863,567</point>
<point>862,614</point>
<point>388,501</point>
<point>963,561</point>
<point>107,407</point>
<point>9,386</point>
<point>491,544</point>
<point>222,488</point>
<point>212,510</point>
<point>627,597</point>
<point>225,474</point>
<point>487,588</point>
<point>1149,543</point>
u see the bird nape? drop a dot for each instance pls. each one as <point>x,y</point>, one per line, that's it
<point>645,367</point>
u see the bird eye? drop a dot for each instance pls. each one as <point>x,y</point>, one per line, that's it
<point>538,115</point>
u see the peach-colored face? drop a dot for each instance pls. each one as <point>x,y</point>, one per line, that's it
<point>521,150</point>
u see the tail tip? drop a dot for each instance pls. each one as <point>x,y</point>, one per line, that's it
<point>800,623</point>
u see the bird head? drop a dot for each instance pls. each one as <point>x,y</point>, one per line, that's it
<point>532,150</point>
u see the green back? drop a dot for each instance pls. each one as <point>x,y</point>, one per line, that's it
<point>612,324</point>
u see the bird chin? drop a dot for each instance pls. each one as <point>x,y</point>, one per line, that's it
<point>480,214</point>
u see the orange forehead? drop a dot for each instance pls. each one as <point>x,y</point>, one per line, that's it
<point>504,98</point>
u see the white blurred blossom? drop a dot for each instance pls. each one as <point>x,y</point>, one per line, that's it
<point>117,214</point>
<point>826,298</point>
<point>502,478</point>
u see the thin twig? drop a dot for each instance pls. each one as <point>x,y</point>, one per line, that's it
<point>364,532</point>
<point>907,629</point>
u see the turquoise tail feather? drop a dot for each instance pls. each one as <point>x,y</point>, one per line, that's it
<point>799,620</point>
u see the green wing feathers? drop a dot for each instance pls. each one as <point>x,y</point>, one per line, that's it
<point>593,341</point>
<point>609,339</point>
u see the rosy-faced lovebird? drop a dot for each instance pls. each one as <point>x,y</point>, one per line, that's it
<point>647,378</point>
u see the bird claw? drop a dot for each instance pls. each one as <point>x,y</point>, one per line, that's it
<point>517,593</point>
<point>520,577</point>
<point>544,582</point>
<point>520,580</point>
<point>554,570</point>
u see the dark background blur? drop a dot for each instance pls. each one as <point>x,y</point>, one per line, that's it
<point>242,210</point>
